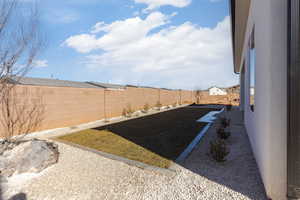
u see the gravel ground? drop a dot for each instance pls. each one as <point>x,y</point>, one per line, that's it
<point>84,175</point>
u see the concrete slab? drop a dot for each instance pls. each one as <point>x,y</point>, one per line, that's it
<point>208,118</point>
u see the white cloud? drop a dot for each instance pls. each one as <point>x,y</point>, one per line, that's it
<point>153,4</point>
<point>118,33</point>
<point>40,63</point>
<point>184,56</point>
<point>83,43</point>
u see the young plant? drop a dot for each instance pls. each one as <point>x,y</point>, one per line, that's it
<point>124,112</point>
<point>146,108</point>
<point>228,107</point>
<point>218,150</point>
<point>225,122</point>
<point>222,134</point>
<point>158,105</point>
<point>129,110</point>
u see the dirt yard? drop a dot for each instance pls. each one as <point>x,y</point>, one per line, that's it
<point>153,139</point>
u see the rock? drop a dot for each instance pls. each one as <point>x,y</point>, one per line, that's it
<point>28,157</point>
<point>137,113</point>
<point>6,167</point>
<point>163,107</point>
<point>7,145</point>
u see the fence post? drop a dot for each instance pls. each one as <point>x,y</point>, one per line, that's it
<point>180,97</point>
<point>104,96</point>
<point>159,95</point>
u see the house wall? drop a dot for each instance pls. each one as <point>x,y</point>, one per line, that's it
<point>217,91</point>
<point>266,125</point>
<point>242,89</point>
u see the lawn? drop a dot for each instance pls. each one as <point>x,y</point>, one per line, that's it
<point>155,139</point>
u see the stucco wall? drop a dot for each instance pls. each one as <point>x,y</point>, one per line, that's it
<point>266,125</point>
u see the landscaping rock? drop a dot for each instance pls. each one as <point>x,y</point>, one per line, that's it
<point>28,157</point>
<point>6,145</point>
<point>6,167</point>
<point>137,113</point>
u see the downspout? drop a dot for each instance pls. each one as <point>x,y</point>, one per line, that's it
<point>293,99</point>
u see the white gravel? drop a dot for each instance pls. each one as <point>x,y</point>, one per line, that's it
<point>84,175</point>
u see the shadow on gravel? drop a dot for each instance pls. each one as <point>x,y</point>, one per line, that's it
<point>239,173</point>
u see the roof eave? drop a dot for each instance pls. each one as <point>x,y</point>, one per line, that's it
<point>232,18</point>
<point>239,14</point>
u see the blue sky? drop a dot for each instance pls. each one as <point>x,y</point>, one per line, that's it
<point>164,43</point>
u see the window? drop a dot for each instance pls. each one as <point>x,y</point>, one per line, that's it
<point>252,62</point>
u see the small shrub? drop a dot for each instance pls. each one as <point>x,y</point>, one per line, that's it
<point>225,122</point>
<point>228,107</point>
<point>158,105</point>
<point>222,134</point>
<point>218,150</point>
<point>146,108</point>
<point>130,111</point>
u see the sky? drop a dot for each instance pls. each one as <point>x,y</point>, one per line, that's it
<point>179,44</point>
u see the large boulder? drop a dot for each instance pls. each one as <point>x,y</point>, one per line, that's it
<point>28,157</point>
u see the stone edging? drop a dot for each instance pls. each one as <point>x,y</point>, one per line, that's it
<point>141,165</point>
<point>197,139</point>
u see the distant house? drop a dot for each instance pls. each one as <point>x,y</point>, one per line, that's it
<point>63,83</point>
<point>49,82</point>
<point>233,89</point>
<point>133,86</point>
<point>252,91</point>
<point>108,86</point>
<point>217,91</point>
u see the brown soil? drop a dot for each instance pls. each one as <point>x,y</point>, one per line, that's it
<point>166,134</point>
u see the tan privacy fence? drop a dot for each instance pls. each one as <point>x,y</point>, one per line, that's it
<point>68,106</point>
